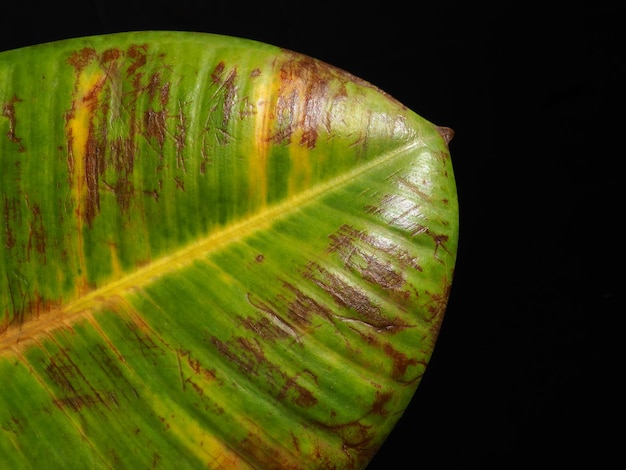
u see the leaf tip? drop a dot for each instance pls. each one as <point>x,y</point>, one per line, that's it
<point>446,132</point>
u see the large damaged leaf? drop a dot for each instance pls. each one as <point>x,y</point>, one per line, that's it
<point>214,253</point>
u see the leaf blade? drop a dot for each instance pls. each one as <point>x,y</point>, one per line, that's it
<point>333,243</point>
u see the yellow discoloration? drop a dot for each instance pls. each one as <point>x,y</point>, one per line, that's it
<point>78,126</point>
<point>262,135</point>
<point>280,119</point>
<point>198,440</point>
<point>84,102</point>
<point>78,129</point>
<point>116,268</point>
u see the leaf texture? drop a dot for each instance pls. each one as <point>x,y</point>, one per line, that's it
<point>214,253</point>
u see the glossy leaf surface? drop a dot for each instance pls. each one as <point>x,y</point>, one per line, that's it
<point>213,253</point>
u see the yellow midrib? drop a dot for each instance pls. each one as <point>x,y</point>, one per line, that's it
<point>18,337</point>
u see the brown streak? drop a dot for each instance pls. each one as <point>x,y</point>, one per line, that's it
<point>378,407</point>
<point>37,235</point>
<point>401,362</point>
<point>305,398</point>
<point>8,111</point>
<point>9,211</point>
<point>246,366</point>
<point>350,297</point>
<point>272,326</point>
<point>154,122</point>
<point>94,166</point>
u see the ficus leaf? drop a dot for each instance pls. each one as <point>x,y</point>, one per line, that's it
<point>214,253</point>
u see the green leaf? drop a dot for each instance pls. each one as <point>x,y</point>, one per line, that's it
<point>213,253</point>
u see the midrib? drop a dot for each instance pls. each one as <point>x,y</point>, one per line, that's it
<point>18,336</point>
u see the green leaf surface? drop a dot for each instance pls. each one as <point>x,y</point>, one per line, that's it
<point>214,253</point>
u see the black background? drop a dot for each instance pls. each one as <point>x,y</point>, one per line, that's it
<point>525,372</point>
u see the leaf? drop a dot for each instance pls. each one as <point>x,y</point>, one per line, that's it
<point>214,253</point>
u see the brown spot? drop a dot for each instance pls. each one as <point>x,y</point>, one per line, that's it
<point>368,263</point>
<point>302,308</point>
<point>225,80</point>
<point>436,306</point>
<point>401,362</point>
<point>37,235</point>
<point>154,194</point>
<point>303,97</point>
<point>247,364</point>
<point>439,239</point>
<point>196,366</point>
<point>189,383</point>
<point>347,239</point>
<point>352,298</point>
<point>77,402</point>
<point>180,183</point>
<point>154,85</point>
<point>295,442</point>
<point>102,354</point>
<point>407,218</point>
<point>216,74</point>
<point>259,258</point>
<point>123,160</point>
<point>180,136</point>
<point>154,124</point>
<point>230,96</point>
<point>110,55</point>
<point>24,305</point>
<point>304,397</point>
<point>163,420</point>
<point>303,80</point>
<point>357,441</point>
<point>246,108</point>
<point>413,188</point>
<point>378,407</point>
<point>255,448</point>
<point>343,293</point>
<point>75,390</point>
<point>62,372</point>
<point>249,356</point>
<point>14,425</point>
<point>94,166</point>
<point>379,272</point>
<point>81,59</point>
<point>263,327</point>
<point>165,94</point>
<point>9,213</point>
<point>107,102</point>
<point>145,343</point>
<point>138,56</point>
<point>272,325</point>
<point>8,111</point>
<point>400,212</point>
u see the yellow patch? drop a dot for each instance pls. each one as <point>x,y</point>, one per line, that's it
<point>262,135</point>
<point>78,128</point>
<point>204,445</point>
